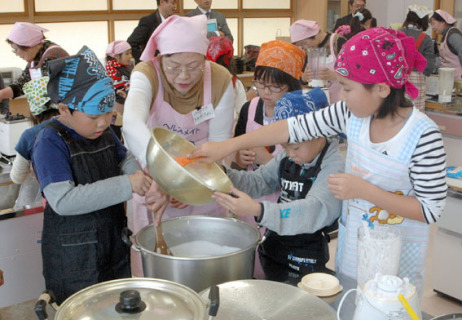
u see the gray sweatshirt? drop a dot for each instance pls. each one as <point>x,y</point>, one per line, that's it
<point>318,209</point>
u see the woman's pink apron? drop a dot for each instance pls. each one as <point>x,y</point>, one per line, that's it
<point>164,115</point>
<point>449,59</point>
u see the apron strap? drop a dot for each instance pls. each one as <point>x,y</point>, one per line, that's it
<point>42,58</point>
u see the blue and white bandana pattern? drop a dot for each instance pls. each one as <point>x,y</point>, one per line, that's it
<point>299,102</point>
<point>81,82</point>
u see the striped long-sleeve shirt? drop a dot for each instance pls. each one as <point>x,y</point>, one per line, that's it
<point>427,167</point>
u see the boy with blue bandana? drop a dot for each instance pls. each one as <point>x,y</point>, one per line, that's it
<point>85,174</point>
<point>296,243</point>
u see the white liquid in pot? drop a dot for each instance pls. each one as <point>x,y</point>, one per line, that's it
<point>200,248</point>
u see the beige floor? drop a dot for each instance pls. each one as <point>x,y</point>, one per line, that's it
<point>432,303</point>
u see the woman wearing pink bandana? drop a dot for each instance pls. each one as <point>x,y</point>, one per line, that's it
<point>451,43</point>
<point>182,91</point>
<point>307,34</point>
<point>395,165</point>
<point>28,43</point>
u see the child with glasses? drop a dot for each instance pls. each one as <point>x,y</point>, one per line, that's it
<point>278,68</point>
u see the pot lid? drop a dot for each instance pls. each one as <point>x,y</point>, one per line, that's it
<point>262,299</point>
<point>134,298</point>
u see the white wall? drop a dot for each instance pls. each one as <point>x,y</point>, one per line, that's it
<point>391,11</point>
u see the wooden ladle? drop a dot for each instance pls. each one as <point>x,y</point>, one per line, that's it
<point>161,246</point>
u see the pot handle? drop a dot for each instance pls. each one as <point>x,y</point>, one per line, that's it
<point>46,298</point>
<point>214,296</point>
<point>343,298</point>
<point>265,235</point>
<point>126,234</point>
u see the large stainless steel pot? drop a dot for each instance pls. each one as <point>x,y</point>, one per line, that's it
<point>262,299</point>
<point>200,273</point>
<point>133,298</point>
<point>193,184</point>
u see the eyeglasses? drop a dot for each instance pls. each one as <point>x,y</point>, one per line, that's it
<point>176,70</point>
<point>262,86</point>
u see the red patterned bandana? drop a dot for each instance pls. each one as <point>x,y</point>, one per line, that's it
<point>220,46</point>
<point>112,66</point>
<point>381,55</point>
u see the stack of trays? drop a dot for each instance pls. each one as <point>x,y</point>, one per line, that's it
<point>320,284</point>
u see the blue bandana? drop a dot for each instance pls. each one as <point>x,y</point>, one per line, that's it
<point>299,102</point>
<point>81,82</point>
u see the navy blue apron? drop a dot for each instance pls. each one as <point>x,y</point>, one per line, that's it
<point>82,250</point>
<point>286,257</point>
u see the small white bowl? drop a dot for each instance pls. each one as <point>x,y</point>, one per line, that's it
<point>320,281</point>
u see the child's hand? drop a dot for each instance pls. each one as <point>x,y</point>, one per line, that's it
<point>140,182</point>
<point>211,151</point>
<point>242,205</point>
<point>308,75</point>
<point>327,74</point>
<point>157,201</point>
<point>346,186</point>
<point>245,157</point>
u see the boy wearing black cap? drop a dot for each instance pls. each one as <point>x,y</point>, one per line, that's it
<point>85,174</point>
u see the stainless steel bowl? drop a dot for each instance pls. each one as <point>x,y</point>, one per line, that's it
<point>193,184</point>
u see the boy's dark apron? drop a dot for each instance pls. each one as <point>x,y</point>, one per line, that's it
<point>289,257</point>
<point>82,250</point>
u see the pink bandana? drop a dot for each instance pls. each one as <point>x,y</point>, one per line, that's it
<point>381,55</point>
<point>117,47</point>
<point>447,17</point>
<point>343,29</point>
<point>26,34</point>
<point>303,29</point>
<point>178,34</point>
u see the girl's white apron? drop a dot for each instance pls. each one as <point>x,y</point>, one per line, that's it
<point>391,175</point>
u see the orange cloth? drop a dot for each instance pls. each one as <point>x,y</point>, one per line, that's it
<point>282,55</point>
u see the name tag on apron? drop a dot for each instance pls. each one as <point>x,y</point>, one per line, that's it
<point>35,73</point>
<point>330,59</point>
<point>203,114</point>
